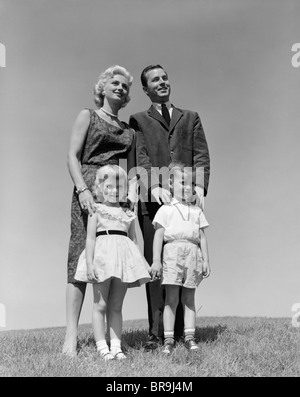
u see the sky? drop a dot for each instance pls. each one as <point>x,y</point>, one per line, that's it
<point>231,62</point>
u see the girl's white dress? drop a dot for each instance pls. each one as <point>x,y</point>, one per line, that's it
<point>115,255</point>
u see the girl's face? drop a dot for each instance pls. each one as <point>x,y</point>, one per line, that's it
<point>114,189</point>
<point>182,185</point>
<point>117,88</point>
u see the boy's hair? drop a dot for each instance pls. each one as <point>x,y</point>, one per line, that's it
<point>177,165</point>
<point>102,174</point>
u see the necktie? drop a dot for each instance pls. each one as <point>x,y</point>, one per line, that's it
<point>165,113</point>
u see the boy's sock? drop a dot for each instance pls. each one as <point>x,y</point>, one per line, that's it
<point>189,339</point>
<point>189,334</point>
<point>169,337</point>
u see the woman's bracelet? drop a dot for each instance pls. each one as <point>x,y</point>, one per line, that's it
<point>81,189</point>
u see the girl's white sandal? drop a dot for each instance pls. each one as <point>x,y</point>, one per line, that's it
<point>107,356</point>
<point>119,355</point>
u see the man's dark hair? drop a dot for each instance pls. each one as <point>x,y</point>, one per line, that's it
<point>144,72</point>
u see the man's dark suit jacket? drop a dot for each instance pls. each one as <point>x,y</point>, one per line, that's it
<point>157,144</point>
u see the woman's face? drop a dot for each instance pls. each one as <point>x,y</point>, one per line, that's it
<point>117,88</point>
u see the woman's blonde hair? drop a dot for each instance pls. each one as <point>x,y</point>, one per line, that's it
<point>104,77</point>
<point>102,174</point>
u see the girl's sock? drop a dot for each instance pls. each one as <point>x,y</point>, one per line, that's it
<point>115,348</point>
<point>103,349</point>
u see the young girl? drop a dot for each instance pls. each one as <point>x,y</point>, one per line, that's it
<point>111,260</point>
<point>180,225</point>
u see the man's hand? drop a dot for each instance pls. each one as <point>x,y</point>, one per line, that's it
<point>199,197</point>
<point>161,195</point>
<point>133,194</point>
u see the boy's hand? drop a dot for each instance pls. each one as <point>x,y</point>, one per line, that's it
<point>205,269</point>
<point>156,270</point>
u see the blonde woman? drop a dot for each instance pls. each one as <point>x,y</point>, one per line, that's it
<point>98,137</point>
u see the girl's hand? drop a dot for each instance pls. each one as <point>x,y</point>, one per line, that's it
<point>91,273</point>
<point>87,202</point>
<point>156,270</point>
<point>206,269</point>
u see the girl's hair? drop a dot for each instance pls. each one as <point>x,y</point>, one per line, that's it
<point>104,77</point>
<point>102,174</point>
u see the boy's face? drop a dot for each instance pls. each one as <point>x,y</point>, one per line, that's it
<point>182,184</point>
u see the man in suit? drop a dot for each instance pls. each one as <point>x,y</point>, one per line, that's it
<point>164,134</point>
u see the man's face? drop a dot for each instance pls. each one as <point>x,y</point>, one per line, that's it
<point>158,86</point>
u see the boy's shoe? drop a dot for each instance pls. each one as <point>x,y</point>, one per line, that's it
<point>168,348</point>
<point>191,344</point>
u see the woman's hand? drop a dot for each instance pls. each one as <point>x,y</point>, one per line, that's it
<point>87,202</point>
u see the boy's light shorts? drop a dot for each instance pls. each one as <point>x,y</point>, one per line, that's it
<point>182,264</point>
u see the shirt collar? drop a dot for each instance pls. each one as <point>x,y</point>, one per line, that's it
<point>158,105</point>
<point>174,201</point>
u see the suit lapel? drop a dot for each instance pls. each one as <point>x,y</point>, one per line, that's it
<point>157,116</point>
<point>176,116</point>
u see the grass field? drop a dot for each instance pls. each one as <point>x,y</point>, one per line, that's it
<point>228,347</point>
